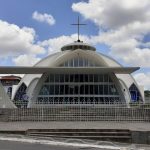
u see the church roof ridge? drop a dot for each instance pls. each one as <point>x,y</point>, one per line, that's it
<point>78,45</point>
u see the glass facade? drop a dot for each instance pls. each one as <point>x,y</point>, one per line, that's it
<point>21,99</point>
<point>79,62</point>
<point>21,91</point>
<point>78,89</point>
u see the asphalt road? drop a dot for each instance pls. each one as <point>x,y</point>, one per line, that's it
<point>11,145</point>
<point>21,143</point>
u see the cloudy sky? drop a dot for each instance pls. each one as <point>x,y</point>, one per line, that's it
<point>33,29</point>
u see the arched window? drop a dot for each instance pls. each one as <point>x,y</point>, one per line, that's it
<point>21,98</point>
<point>9,91</point>
<point>135,94</point>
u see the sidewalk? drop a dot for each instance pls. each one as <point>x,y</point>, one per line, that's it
<point>23,126</point>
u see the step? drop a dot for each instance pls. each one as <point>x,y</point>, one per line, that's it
<point>83,133</point>
<point>77,130</point>
<point>74,135</point>
<point>64,136</point>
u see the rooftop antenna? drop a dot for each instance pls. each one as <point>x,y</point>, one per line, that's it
<point>78,24</point>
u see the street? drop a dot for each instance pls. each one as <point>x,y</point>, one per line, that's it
<point>11,145</point>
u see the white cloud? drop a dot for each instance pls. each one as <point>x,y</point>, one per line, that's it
<point>47,18</point>
<point>143,79</point>
<point>126,22</point>
<point>26,60</point>
<point>55,44</point>
<point>18,44</point>
<point>112,13</point>
<point>15,40</point>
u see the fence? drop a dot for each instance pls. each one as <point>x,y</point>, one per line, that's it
<point>61,112</point>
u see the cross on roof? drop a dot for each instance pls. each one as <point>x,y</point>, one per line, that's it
<point>78,24</point>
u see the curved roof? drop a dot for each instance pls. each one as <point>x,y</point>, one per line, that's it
<point>70,52</point>
<point>56,59</point>
<point>11,77</point>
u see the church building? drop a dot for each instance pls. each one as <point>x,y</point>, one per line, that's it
<point>76,75</point>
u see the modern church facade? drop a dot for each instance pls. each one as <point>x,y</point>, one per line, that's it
<point>77,75</point>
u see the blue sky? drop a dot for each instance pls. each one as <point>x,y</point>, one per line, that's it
<point>121,30</point>
<point>20,13</point>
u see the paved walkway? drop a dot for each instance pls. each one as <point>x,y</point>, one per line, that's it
<point>22,126</point>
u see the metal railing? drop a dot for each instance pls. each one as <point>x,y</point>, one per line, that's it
<point>136,112</point>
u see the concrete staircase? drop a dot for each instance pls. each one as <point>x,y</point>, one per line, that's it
<point>121,135</point>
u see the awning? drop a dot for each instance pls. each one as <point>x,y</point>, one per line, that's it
<point>73,70</point>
